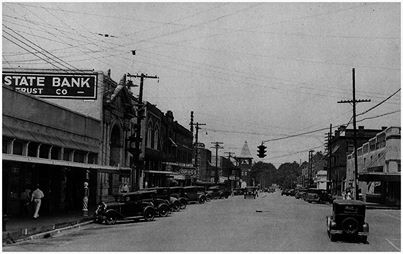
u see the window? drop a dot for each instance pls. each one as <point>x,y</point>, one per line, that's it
<point>156,133</point>
<point>149,135</point>
<point>372,144</point>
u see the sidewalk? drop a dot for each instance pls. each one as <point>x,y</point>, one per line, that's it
<point>370,205</point>
<point>18,228</point>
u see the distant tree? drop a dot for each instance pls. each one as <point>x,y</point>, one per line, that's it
<point>264,174</point>
<point>287,174</point>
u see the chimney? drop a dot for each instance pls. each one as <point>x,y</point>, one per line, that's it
<point>109,72</point>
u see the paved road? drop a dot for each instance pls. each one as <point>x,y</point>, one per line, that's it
<point>282,224</point>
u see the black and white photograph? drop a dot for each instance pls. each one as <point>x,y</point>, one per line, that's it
<point>201,126</point>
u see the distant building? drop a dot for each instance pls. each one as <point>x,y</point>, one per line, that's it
<point>379,167</point>
<point>320,179</point>
<point>244,161</point>
<point>341,144</point>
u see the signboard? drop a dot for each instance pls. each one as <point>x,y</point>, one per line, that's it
<point>53,85</point>
<point>188,171</point>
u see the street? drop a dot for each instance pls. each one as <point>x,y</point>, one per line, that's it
<point>270,222</point>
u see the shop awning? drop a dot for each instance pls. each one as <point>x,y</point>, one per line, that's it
<point>160,172</point>
<point>45,138</point>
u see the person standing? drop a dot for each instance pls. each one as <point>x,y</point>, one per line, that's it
<point>36,197</point>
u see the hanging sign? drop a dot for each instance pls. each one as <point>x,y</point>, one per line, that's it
<point>53,85</point>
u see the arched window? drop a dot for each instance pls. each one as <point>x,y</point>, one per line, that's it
<point>156,138</point>
<point>115,146</point>
<point>149,135</point>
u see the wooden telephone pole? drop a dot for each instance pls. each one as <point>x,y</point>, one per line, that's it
<point>354,102</point>
<point>137,139</point>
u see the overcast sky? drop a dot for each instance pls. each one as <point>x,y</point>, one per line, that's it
<point>250,71</point>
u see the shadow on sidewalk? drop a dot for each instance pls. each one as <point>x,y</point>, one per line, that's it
<point>15,228</point>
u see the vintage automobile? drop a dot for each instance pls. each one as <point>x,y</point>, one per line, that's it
<point>218,192</point>
<point>250,191</point>
<point>163,193</point>
<point>318,196</point>
<point>177,192</point>
<point>162,206</point>
<point>194,194</point>
<point>238,191</point>
<point>285,192</point>
<point>347,219</point>
<point>126,206</point>
<point>300,193</point>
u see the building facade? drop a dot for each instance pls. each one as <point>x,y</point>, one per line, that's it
<point>379,167</point>
<point>342,144</point>
<point>60,140</point>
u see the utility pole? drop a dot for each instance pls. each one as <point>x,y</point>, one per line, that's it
<point>229,158</point>
<point>196,145</point>
<point>329,145</point>
<point>216,146</point>
<point>140,116</point>
<point>310,168</point>
<point>354,102</point>
<point>191,121</point>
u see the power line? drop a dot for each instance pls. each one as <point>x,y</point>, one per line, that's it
<point>366,111</point>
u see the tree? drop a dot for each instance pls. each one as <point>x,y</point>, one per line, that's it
<point>287,174</point>
<point>264,174</point>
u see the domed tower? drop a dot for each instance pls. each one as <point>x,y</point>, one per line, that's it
<point>244,161</point>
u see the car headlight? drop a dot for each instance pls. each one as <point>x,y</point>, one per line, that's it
<point>332,224</point>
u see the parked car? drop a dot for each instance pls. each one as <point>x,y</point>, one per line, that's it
<point>300,193</point>
<point>218,192</point>
<point>177,192</point>
<point>318,196</point>
<point>250,191</point>
<point>285,192</point>
<point>161,200</point>
<point>129,205</point>
<point>347,219</point>
<point>238,191</point>
<point>291,192</point>
<point>194,194</point>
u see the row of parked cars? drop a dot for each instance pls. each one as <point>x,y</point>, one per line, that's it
<point>159,201</point>
<point>309,194</point>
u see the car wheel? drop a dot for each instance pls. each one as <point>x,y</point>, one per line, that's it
<point>183,204</point>
<point>110,220</point>
<point>364,239</point>
<point>163,211</point>
<point>350,225</point>
<point>149,215</point>
<point>176,207</point>
<point>201,200</point>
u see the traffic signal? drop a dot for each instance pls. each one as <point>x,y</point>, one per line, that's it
<point>261,151</point>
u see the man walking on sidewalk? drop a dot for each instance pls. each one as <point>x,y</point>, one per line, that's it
<point>36,197</point>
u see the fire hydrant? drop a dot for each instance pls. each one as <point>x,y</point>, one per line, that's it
<point>85,199</point>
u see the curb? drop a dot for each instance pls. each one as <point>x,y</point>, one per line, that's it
<point>48,234</point>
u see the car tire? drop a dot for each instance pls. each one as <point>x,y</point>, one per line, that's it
<point>176,207</point>
<point>364,239</point>
<point>110,220</point>
<point>183,204</point>
<point>350,225</point>
<point>163,211</point>
<point>201,200</point>
<point>332,237</point>
<point>149,214</point>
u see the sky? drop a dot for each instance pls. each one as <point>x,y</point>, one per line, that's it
<point>250,71</point>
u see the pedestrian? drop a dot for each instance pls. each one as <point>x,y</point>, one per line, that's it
<point>25,199</point>
<point>124,188</point>
<point>36,197</point>
<point>348,197</point>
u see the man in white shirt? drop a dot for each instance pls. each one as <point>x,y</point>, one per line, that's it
<point>36,197</point>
